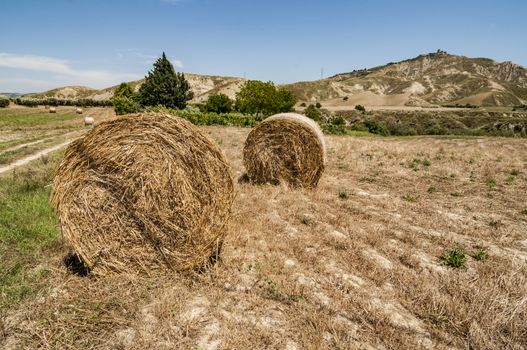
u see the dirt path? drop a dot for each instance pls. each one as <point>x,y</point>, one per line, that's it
<point>14,148</point>
<point>34,156</point>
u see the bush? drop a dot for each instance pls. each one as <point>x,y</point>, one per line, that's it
<point>375,127</point>
<point>318,105</point>
<point>345,98</point>
<point>207,118</point>
<point>312,112</point>
<point>303,104</point>
<point>4,102</point>
<point>360,108</point>
<point>125,105</point>
<point>220,103</point>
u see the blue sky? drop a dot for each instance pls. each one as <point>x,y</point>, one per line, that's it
<point>98,43</point>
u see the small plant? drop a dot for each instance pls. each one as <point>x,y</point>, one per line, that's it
<point>514,172</point>
<point>510,179</point>
<point>360,108</point>
<point>454,257</point>
<point>410,197</point>
<point>491,183</point>
<point>303,104</point>
<point>306,219</point>
<point>426,163</point>
<point>343,195</point>
<point>431,189</point>
<point>524,211</point>
<point>366,179</point>
<point>318,105</point>
<point>345,98</point>
<point>455,194</point>
<point>479,254</point>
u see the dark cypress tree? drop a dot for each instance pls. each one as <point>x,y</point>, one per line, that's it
<point>163,86</point>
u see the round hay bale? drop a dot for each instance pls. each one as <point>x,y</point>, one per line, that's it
<point>52,110</point>
<point>144,192</point>
<point>88,121</point>
<point>78,110</point>
<point>285,148</point>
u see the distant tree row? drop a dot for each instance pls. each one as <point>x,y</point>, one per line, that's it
<point>51,101</point>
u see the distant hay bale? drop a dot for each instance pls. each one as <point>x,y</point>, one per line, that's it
<point>144,192</point>
<point>78,111</point>
<point>52,110</point>
<point>88,121</point>
<point>288,148</point>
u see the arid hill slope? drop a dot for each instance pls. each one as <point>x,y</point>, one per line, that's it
<point>432,79</point>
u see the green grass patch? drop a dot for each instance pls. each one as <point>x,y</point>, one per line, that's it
<point>27,228</point>
<point>410,197</point>
<point>454,257</point>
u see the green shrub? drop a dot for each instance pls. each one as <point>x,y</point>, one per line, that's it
<point>124,105</point>
<point>312,112</point>
<point>318,105</point>
<point>338,120</point>
<point>205,118</point>
<point>375,127</point>
<point>360,108</point>
<point>303,104</point>
<point>4,101</point>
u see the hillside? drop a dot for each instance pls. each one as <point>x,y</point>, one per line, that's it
<point>202,85</point>
<point>435,78</point>
<point>432,79</point>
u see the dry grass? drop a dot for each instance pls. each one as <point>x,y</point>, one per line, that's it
<point>144,192</point>
<point>286,148</point>
<point>312,269</point>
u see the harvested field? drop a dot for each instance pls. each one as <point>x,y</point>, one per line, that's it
<point>352,264</point>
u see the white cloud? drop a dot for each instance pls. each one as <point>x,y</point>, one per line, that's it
<point>63,72</point>
<point>145,58</point>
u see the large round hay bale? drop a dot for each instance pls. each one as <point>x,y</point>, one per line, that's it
<point>144,192</point>
<point>285,148</point>
<point>52,110</point>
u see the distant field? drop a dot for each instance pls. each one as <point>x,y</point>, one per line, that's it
<point>416,242</point>
<point>10,117</point>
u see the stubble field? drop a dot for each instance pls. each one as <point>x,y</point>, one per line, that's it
<point>354,264</point>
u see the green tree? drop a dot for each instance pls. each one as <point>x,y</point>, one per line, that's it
<point>124,100</point>
<point>124,89</point>
<point>219,103</point>
<point>164,87</point>
<point>285,100</point>
<point>257,97</point>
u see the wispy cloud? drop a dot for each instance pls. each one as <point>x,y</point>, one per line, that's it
<point>174,2</point>
<point>61,71</point>
<point>145,58</point>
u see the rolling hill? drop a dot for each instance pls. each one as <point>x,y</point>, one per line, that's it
<point>437,78</point>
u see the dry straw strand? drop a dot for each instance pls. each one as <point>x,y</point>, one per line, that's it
<point>285,148</point>
<point>144,192</point>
